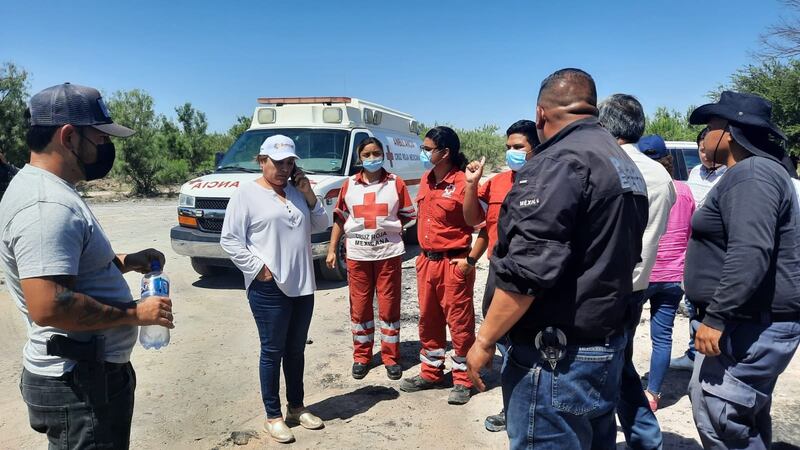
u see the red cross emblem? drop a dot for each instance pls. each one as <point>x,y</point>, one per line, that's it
<point>390,156</point>
<point>370,211</point>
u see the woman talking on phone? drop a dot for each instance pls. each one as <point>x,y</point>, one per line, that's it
<point>380,206</point>
<point>266,232</point>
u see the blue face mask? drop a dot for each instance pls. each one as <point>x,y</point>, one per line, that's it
<point>425,157</point>
<point>516,158</point>
<point>372,165</point>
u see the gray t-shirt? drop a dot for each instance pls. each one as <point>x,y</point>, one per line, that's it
<point>46,229</point>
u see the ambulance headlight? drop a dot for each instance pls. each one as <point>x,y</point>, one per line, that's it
<point>186,201</point>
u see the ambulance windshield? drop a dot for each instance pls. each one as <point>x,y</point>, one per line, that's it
<point>320,151</point>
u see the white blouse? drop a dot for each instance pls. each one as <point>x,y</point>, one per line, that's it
<point>260,229</point>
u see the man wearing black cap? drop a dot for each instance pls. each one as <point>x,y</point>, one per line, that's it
<point>67,281</point>
<point>569,237</point>
<point>742,267</point>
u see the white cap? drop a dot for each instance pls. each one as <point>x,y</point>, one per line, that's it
<point>278,147</point>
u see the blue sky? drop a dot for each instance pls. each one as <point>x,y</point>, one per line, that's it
<point>460,62</point>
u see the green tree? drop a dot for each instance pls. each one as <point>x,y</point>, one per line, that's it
<point>242,124</point>
<point>140,158</point>
<point>194,124</point>
<point>672,125</point>
<point>13,98</point>
<point>483,142</point>
<point>778,82</point>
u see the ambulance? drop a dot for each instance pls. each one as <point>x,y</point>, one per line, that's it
<point>326,132</point>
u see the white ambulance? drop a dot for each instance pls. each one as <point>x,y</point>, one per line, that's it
<point>326,132</point>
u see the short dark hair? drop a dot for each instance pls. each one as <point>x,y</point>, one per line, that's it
<point>701,135</point>
<point>526,128</point>
<point>366,142</point>
<point>623,117</point>
<point>446,137</point>
<point>38,137</point>
<point>567,86</point>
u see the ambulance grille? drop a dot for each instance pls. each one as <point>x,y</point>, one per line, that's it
<point>210,203</point>
<point>211,225</point>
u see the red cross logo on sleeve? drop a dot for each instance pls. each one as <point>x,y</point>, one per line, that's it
<point>370,211</point>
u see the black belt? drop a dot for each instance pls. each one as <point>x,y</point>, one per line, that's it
<point>527,337</point>
<point>438,256</point>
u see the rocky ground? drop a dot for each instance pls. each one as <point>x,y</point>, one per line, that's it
<point>201,392</point>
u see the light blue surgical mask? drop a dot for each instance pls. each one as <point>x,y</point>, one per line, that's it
<point>425,157</point>
<point>372,165</point>
<point>516,158</point>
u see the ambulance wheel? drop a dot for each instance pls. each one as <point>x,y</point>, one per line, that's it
<point>204,269</point>
<point>338,273</point>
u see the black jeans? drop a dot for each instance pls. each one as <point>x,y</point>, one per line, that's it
<point>60,408</point>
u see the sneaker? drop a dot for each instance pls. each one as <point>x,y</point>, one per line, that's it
<point>304,417</point>
<point>279,431</point>
<point>682,363</point>
<point>360,370</point>
<point>496,422</point>
<point>459,395</point>
<point>394,372</point>
<point>417,383</point>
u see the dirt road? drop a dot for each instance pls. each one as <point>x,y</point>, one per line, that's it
<point>204,386</point>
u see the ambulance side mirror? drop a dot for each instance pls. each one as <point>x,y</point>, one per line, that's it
<point>218,158</point>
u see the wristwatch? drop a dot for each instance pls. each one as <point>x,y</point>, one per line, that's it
<point>471,261</point>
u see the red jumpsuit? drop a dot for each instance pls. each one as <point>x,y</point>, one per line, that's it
<point>445,294</point>
<point>373,216</point>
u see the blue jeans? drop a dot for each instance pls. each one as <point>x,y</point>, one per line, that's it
<point>731,393</point>
<point>61,408</point>
<point>282,323</point>
<point>569,407</point>
<point>638,422</point>
<point>664,300</point>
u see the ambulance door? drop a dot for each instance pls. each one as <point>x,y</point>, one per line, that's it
<point>356,136</point>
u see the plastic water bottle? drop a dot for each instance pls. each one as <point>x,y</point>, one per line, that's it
<point>154,283</point>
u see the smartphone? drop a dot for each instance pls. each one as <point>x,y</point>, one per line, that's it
<point>293,174</point>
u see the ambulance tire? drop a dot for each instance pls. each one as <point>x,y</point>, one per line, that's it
<point>338,273</point>
<point>203,269</point>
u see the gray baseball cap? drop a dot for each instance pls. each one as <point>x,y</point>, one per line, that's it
<point>72,104</point>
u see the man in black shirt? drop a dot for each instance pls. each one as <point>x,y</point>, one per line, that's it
<point>743,274</point>
<point>569,236</point>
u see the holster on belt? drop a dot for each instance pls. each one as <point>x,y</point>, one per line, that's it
<point>90,371</point>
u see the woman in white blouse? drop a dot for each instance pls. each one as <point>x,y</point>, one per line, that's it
<point>267,232</point>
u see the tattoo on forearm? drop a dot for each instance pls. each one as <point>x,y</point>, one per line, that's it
<point>86,310</point>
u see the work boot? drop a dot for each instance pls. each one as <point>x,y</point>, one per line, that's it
<point>459,395</point>
<point>496,422</point>
<point>417,383</point>
<point>394,372</point>
<point>682,363</point>
<point>360,370</point>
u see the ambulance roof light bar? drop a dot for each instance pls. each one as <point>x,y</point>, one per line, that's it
<point>302,100</point>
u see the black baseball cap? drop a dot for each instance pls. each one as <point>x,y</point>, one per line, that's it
<point>71,104</point>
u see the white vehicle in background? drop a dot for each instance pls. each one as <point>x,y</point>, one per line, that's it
<point>326,132</point>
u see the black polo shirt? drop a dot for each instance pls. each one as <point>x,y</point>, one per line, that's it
<point>570,233</point>
<point>743,257</point>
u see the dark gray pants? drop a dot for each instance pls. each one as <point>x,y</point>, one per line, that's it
<point>58,407</point>
<point>731,393</point>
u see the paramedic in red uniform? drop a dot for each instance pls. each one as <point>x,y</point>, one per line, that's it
<point>521,139</point>
<point>373,206</point>
<point>445,267</point>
